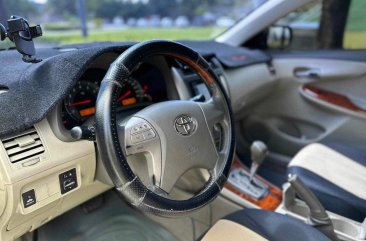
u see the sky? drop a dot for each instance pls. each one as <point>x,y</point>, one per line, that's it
<point>39,1</point>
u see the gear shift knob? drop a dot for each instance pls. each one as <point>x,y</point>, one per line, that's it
<point>258,152</point>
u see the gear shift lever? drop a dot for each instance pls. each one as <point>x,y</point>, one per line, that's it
<point>244,181</point>
<point>259,152</point>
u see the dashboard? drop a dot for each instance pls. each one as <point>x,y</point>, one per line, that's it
<point>144,87</point>
<point>55,153</point>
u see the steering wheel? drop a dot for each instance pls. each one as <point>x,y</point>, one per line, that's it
<point>179,135</point>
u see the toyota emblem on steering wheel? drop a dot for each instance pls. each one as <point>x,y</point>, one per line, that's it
<point>185,125</point>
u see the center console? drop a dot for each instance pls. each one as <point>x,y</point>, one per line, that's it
<point>240,179</point>
<point>258,193</point>
<point>246,181</point>
<point>247,188</point>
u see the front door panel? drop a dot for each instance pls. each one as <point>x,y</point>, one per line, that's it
<point>316,100</point>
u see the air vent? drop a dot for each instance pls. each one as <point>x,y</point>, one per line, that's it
<point>23,146</point>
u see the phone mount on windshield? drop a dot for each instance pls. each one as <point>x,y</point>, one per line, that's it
<point>22,35</point>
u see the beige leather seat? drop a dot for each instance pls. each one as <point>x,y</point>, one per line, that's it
<point>230,231</point>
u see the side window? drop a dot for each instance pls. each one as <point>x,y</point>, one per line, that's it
<point>304,24</point>
<point>327,24</point>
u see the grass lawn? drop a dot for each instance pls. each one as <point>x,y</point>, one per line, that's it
<point>356,16</point>
<point>352,40</point>
<point>355,40</point>
<point>132,34</point>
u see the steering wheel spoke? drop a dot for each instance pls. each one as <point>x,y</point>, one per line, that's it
<point>216,121</point>
<point>141,137</point>
<point>213,111</point>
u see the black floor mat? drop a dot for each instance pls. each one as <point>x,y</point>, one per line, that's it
<point>114,221</point>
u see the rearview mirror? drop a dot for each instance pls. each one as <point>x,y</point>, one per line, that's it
<point>279,37</point>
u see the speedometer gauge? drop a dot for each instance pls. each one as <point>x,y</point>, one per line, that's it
<point>80,103</point>
<point>132,93</point>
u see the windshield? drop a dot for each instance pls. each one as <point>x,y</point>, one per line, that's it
<point>76,21</point>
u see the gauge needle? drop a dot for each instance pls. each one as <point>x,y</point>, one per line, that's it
<point>145,89</point>
<point>124,96</point>
<point>80,103</point>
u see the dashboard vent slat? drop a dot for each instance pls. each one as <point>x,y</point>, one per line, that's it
<point>29,131</point>
<point>17,150</point>
<point>26,155</point>
<point>23,146</point>
<point>10,144</point>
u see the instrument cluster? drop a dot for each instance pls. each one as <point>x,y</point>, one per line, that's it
<point>144,87</point>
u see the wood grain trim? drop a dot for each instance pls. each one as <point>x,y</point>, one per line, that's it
<point>270,202</point>
<point>205,75</point>
<point>332,98</point>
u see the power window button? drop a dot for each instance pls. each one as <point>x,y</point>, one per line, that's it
<point>29,198</point>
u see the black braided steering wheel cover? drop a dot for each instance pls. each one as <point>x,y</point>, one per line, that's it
<point>109,146</point>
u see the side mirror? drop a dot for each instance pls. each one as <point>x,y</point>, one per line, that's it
<point>279,37</point>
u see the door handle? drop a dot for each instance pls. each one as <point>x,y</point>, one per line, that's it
<point>307,73</point>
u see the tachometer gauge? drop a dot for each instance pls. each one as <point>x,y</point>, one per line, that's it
<point>132,93</point>
<point>80,103</point>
